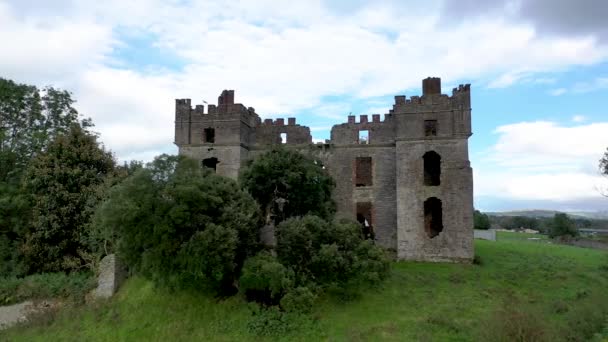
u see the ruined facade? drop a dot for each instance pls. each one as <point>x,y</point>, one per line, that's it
<point>405,176</point>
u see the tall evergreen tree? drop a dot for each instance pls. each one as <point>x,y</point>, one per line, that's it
<point>65,183</point>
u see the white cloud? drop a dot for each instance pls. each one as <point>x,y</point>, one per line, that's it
<point>558,91</point>
<point>579,118</point>
<point>544,161</point>
<point>280,57</point>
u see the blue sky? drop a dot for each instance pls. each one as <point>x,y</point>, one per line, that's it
<point>538,69</point>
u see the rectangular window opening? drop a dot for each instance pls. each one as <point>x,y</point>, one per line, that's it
<point>283,138</point>
<point>363,171</point>
<point>364,136</point>
<point>209,135</point>
<point>430,128</point>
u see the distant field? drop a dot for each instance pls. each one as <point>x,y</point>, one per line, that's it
<point>512,236</point>
<point>551,291</point>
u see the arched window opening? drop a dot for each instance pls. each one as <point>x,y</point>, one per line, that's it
<point>364,217</point>
<point>432,168</point>
<point>433,221</point>
<point>210,163</point>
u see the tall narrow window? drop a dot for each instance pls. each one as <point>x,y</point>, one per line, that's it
<point>430,128</point>
<point>433,221</point>
<point>210,163</point>
<point>364,217</point>
<point>363,171</point>
<point>283,138</point>
<point>432,168</point>
<point>364,136</point>
<point>209,135</point>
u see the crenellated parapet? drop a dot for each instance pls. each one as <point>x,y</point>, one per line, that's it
<point>277,131</point>
<point>432,99</point>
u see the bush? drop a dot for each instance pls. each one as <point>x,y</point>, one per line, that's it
<point>300,299</point>
<point>272,322</point>
<point>264,279</point>
<point>323,253</point>
<point>179,224</point>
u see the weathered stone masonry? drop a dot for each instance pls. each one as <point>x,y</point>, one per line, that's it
<point>409,179</point>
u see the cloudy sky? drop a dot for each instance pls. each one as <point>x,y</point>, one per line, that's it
<point>538,69</point>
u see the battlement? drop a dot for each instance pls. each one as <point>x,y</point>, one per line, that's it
<point>279,122</point>
<point>432,98</point>
<point>364,119</point>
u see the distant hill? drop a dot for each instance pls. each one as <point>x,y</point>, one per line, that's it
<point>598,215</point>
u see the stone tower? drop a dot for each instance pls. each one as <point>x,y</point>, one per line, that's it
<point>433,175</point>
<point>405,177</point>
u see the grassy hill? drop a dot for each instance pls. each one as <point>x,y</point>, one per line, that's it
<point>544,291</point>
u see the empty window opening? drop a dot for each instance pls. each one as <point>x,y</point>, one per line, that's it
<point>432,168</point>
<point>363,171</point>
<point>433,222</point>
<point>430,128</point>
<point>364,136</point>
<point>364,217</point>
<point>283,138</point>
<point>209,135</point>
<point>210,163</point>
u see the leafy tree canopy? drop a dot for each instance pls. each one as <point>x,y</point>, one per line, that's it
<point>562,226</point>
<point>286,183</point>
<point>64,184</point>
<point>29,119</point>
<point>481,220</point>
<point>178,223</point>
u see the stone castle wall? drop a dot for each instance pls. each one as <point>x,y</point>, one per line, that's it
<point>419,220</point>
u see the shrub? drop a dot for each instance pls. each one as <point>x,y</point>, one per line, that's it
<point>178,224</point>
<point>300,299</point>
<point>264,279</point>
<point>326,253</point>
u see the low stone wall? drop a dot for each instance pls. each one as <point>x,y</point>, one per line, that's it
<point>489,234</point>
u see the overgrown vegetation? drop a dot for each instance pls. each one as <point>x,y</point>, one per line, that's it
<point>522,288</point>
<point>46,285</point>
<point>180,224</point>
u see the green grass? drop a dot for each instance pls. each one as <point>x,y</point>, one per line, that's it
<point>557,291</point>
<point>510,236</point>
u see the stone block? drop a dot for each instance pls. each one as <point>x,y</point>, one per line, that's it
<point>112,274</point>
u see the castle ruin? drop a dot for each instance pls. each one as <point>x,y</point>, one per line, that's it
<point>406,177</point>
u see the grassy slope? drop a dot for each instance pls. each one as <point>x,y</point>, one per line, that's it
<point>420,302</point>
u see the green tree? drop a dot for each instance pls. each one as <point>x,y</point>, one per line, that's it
<point>64,183</point>
<point>481,220</point>
<point>562,226</point>
<point>179,224</point>
<point>286,183</point>
<point>29,119</point>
